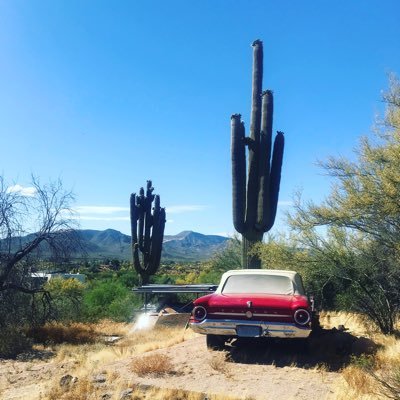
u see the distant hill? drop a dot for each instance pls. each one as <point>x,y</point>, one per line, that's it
<point>185,246</point>
<point>189,245</point>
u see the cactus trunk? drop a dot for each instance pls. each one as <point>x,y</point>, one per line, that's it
<point>250,260</point>
<point>255,197</point>
<point>147,230</point>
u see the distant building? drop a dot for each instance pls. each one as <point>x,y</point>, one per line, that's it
<point>40,278</point>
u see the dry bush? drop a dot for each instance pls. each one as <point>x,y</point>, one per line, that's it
<point>77,333</point>
<point>153,364</point>
<point>357,379</point>
<point>56,333</point>
<point>83,389</point>
<point>374,377</point>
<point>107,327</point>
<point>218,363</point>
<point>355,323</point>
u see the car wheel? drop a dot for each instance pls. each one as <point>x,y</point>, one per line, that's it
<point>215,342</point>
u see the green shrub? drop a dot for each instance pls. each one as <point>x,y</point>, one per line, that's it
<point>108,299</point>
<point>67,296</point>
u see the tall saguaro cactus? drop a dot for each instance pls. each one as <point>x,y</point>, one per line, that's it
<point>255,197</point>
<point>147,228</point>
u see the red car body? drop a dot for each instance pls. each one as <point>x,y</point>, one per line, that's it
<point>254,303</point>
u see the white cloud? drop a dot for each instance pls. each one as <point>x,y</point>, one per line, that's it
<point>114,213</point>
<point>100,209</point>
<point>184,209</point>
<point>99,218</point>
<point>27,191</point>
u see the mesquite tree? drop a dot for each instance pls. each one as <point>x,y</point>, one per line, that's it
<point>255,197</point>
<point>147,229</point>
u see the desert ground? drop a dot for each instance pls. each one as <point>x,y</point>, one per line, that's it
<point>173,363</point>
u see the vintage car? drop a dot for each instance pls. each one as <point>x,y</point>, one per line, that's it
<point>253,303</point>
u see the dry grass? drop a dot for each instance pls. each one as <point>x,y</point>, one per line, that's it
<point>83,344</point>
<point>56,333</point>
<point>111,328</point>
<point>375,377</point>
<point>153,364</point>
<point>77,333</point>
<point>175,394</point>
<point>218,363</point>
<point>83,389</point>
<point>355,323</point>
<point>133,344</point>
<point>87,359</point>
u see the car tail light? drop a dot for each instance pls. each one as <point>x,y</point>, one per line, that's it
<point>199,313</point>
<point>302,317</point>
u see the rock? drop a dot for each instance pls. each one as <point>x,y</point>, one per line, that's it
<point>99,379</point>
<point>66,380</point>
<point>126,394</point>
<point>143,387</point>
<point>105,396</point>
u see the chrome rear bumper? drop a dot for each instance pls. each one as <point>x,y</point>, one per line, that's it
<point>228,327</point>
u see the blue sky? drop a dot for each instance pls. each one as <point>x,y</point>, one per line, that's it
<point>108,94</point>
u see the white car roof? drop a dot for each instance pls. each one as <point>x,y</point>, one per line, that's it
<point>280,272</point>
<point>292,275</point>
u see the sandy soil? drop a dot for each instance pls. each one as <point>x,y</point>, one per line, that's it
<point>241,372</point>
<point>29,378</point>
<point>257,372</point>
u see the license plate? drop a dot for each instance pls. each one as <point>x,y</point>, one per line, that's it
<point>248,331</point>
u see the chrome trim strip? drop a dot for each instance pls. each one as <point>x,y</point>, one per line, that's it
<point>243,314</point>
<point>272,315</point>
<point>272,329</point>
<point>224,313</point>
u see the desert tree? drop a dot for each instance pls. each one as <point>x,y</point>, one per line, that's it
<point>363,211</point>
<point>349,245</point>
<point>34,222</point>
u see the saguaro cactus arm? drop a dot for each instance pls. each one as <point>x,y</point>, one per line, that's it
<point>238,154</point>
<point>265,159</point>
<point>275,179</point>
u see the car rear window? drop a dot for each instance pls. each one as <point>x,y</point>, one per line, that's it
<point>269,284</point>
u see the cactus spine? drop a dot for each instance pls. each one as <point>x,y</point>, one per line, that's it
<point>255,197</point>
<point>147,229</point>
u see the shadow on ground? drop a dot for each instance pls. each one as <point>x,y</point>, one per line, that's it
<point>330,348</point>
<point>34,355</point>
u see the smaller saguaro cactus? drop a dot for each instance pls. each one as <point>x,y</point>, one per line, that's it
<point>147,228</point>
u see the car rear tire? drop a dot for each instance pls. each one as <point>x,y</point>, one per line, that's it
<point>215,342</point>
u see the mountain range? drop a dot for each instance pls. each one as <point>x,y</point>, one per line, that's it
<point>185,246</point>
